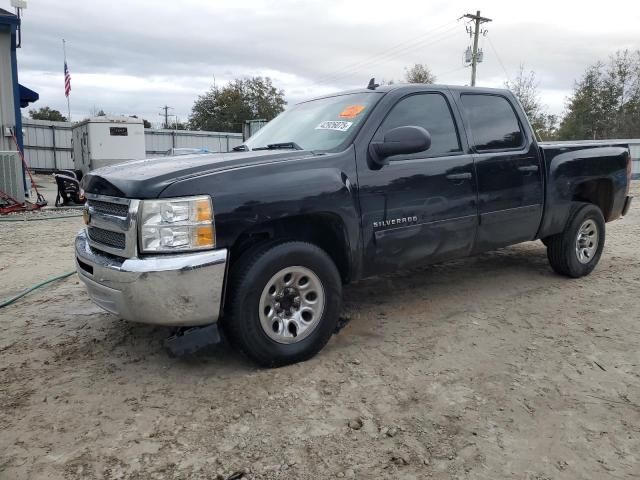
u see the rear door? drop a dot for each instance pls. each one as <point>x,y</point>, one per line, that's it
<point>508,168</point>
<point>419,208</point>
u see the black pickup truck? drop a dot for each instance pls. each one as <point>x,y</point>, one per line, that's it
<point>260,240</point>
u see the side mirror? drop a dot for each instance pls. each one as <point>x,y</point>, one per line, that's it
<point>400,141</point>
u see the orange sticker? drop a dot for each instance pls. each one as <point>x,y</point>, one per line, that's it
<point>352,111</point>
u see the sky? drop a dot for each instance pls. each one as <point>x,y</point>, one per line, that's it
<point>132,57</point>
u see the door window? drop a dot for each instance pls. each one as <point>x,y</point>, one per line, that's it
<point>430,111</point>
<point>494,125</point>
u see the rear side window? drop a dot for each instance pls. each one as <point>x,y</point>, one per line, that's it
<point>494,125</point>
<point>430,111</point>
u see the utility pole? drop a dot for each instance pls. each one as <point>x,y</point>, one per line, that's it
<point>478,20</point>
<point>166,109</point>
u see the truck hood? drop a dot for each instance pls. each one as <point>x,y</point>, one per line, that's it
<point>149,177</point>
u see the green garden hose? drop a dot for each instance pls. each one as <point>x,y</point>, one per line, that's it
<point>9,301</point>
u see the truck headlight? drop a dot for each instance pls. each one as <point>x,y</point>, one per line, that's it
<point>177,224</point>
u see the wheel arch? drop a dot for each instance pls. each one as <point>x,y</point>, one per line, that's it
<point>326,230</point>
<point>597,191</point>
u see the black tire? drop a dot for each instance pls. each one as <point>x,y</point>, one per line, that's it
<point>561,248</point>
<point>247,281</point>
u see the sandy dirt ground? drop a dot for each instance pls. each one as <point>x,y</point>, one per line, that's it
<point>490,367</point>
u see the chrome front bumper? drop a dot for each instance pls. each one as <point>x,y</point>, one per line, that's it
<point>173,290</point>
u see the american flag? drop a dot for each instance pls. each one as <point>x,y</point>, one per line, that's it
<point>67,80</point>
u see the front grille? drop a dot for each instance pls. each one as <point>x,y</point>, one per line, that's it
<point>108,208</point>
<point>107,237</point>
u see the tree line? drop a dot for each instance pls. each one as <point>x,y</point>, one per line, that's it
<point>604,103</point>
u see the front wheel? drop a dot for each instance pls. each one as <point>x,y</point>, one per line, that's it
<point>577,250</point>
<point>284,303</point>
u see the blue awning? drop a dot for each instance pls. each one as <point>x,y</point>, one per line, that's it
<point>27,96</point>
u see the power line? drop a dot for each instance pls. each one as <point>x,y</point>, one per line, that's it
<point>386,54</point>
<point>388,57</point>
<point>498,57</point>
<point>450,71</point>
<point>382,53</point>
<point>346,74</point>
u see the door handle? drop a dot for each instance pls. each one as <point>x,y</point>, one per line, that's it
<point>458,177</point>
<point>528,168</point>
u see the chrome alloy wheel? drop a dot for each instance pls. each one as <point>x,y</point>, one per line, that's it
<point>587,241</point>
<point>291,304</point>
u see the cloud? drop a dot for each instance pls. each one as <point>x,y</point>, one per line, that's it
<point>134,56</point>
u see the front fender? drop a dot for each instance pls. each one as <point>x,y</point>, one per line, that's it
<point>245,198</point>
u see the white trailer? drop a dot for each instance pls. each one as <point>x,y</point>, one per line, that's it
<point>101,141</point>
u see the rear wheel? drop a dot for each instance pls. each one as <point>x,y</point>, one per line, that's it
<point>284,303</point>
<point>577,250</point>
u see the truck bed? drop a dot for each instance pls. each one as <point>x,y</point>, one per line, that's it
<point>587,170</point>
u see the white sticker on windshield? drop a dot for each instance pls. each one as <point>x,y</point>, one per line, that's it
<point>339,125</point>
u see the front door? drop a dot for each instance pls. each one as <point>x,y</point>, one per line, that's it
<point>419,208</point>
<point>509,170</point>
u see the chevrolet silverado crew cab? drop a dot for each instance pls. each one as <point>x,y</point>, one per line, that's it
<point>260,241</point>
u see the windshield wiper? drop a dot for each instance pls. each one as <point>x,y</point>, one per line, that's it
<point>281,146</point>
<point>240,148</point>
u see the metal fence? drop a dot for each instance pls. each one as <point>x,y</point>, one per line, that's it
<point>47,145</point>
<point>157,142</point>
<point>635,156</point>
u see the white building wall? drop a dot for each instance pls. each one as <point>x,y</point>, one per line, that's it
<point>7,110</point>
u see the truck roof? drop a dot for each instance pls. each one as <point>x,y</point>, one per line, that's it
<point>409,87</point>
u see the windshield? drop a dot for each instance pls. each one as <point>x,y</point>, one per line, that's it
<point>321,124</point>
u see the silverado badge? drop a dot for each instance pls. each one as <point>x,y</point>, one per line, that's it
<point>395,221</point>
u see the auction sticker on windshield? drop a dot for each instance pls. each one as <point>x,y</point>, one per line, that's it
<point>339,125</point>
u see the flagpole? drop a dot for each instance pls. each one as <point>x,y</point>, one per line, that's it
<point>64,50</point>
